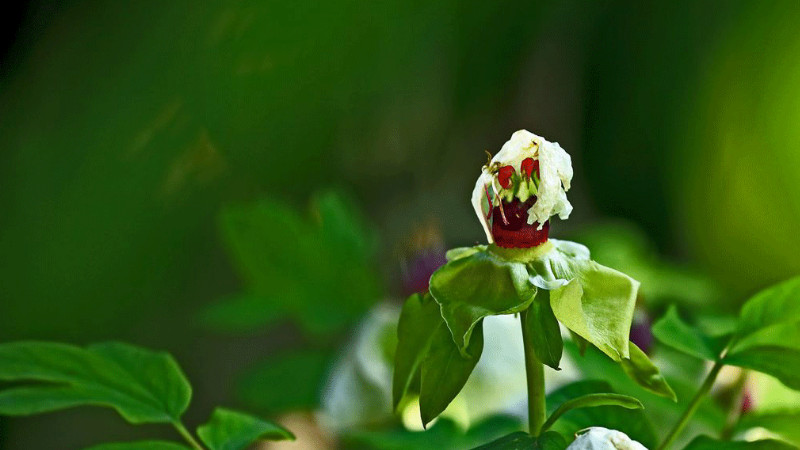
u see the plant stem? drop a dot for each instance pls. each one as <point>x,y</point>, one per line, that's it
<point>534,371</point>
<point>187,435</point>
<point>698,397</point>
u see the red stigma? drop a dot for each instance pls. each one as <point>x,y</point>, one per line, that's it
<point>529,165</point>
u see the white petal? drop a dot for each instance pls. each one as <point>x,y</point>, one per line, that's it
<point>599,438</point>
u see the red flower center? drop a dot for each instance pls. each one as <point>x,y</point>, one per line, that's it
<point>510,227</point>
<point>504,176</point>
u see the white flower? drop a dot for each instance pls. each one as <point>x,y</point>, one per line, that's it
<point>599,438</point>
<point>555,168</point>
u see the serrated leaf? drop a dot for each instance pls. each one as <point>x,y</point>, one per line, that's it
<point>419,320</point>
<point>780,362</point>
<point>140,445</point>
<point>632,422</point>
<point>482,284</point>
<point>592,401</point>
<point>673,331</point>
<point>141,385</point>
<point>544,331</point>
<point>598,306</point>
<point>641,370</point>
<point>524,441</point>
<point>233,430</point>
<point>445,370</point>
<point>707,443</point>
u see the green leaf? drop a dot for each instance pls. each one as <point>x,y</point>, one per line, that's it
<point>673,331</point>
<point>140,445</point>
<point>598,306</point>
<point>632,422</point>
<point>419,320</point>
<point>241,313</point>
<point>462,252</point>
<point>263,387</point>
<point>524,441</point>
<point>557,266</point>
<point>783,424</point>
<point>445,370</point>
<point>592,401</point>
<point>774,305</point>
<point>232,430</point>
<point>707,443</point>
<point>780,362</point>
<point>141,385</point>
<point>544,331</point>
<point>641,370</point>
<point>476,286</point>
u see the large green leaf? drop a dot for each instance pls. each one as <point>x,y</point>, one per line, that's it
<point>673,331</point>
<point>641,370</point>
<point>598,306</point>
<point>524,441</point>
<point>419,321</point>
<point>780,362</point>
<point>544,331</point>
<point>445,370</point>
<point>141,385</point>
<point>774,305</point>
<point>783,424</point>
<point>473,287</point>
<point>140,445</point>
<point>232,430</point>
<point>632,422</point>
<point>707,443</point>
<point>558,263</point>
<point>592,401</point>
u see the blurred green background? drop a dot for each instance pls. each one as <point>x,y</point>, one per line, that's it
<point>162,161</point>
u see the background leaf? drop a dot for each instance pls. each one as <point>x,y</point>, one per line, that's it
<point>141,385</point>
<point>783,424</point>
<point>673,331</point>
<point>592,401</point>
<point>777,304</point>
<point>641,370</point>
<point>544,330</point>
<point>232,430</point>
<point>598,306</point>
<point>482,284</point>
<point>445,371</point>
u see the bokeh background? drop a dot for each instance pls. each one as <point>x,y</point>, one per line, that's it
<point>240,182</point>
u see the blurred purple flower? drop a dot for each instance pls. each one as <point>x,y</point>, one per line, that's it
<point>641,330</point>
<point>420,257</point>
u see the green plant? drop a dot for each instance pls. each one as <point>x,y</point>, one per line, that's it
<point>141,385</point>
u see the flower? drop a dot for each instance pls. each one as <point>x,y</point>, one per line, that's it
<point>599,438</point>
<point>520,188</point>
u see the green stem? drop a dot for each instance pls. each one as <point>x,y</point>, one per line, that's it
<point>187,435</point>
<point>693,405</point>
<point>534,371</point>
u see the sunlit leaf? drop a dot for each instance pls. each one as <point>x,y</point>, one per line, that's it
<point>419,321</point>
<point>673,331</point>
<point>783,424</point>
<point>707,443</point>
<point>462,252</point>
<point>780,362</point>
<point>445,370</point>
<point>141,385</point>
<point>777,304</point>
<point>232,430</point>
<point>482,284</point>
<point>641,370</point>
<point>598,306</point>
<point>544,331</point>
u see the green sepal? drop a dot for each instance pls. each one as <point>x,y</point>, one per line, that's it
<point>479,285</point>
